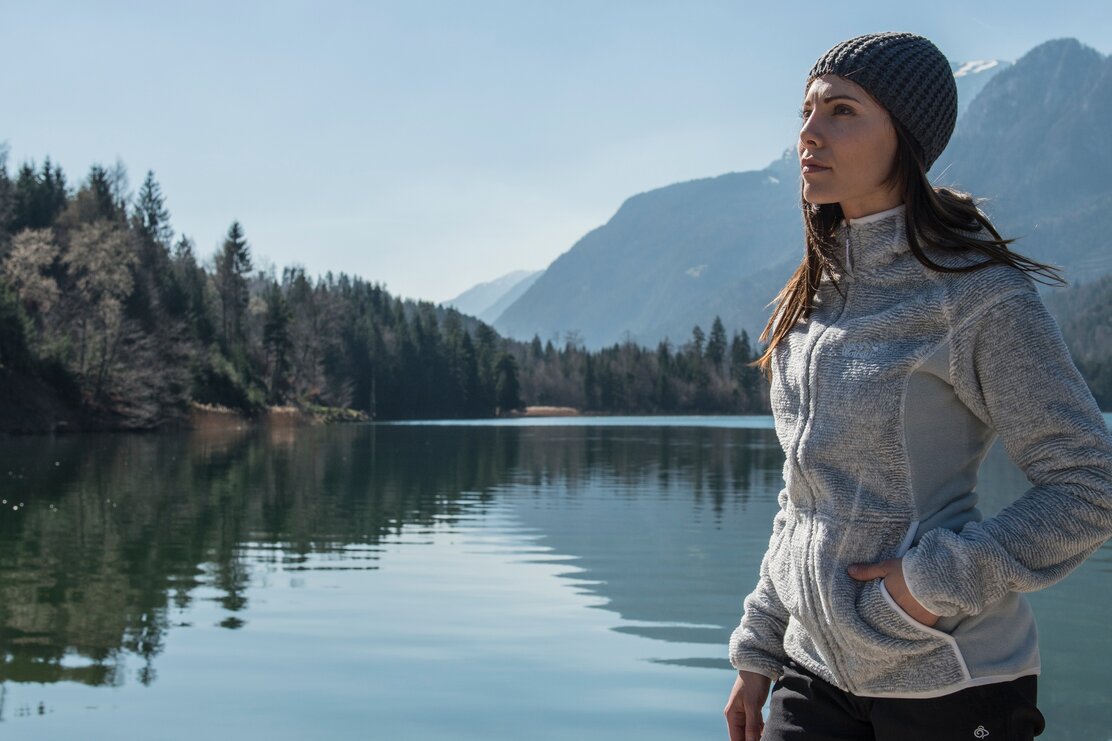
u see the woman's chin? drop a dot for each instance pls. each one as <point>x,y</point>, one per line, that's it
<point>817,199</point>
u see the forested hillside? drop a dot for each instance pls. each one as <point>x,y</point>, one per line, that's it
<point>109,320</point>
<point>1084,312</point>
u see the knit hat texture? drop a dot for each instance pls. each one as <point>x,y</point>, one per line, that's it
<point>908,75</point>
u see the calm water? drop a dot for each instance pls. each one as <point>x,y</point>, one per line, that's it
<point>551,579</point>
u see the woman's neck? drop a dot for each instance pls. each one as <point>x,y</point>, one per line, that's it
<point>871,203</point>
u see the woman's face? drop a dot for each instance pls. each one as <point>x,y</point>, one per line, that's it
<point>847,146</point>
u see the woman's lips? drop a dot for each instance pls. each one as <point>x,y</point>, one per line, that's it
<point>814,168</point>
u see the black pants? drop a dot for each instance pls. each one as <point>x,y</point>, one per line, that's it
<point>807,708</point>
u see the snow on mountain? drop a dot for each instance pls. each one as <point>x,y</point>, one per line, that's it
<point>971,77</point>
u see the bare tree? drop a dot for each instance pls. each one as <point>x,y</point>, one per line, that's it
<point>118,181</point>
<point>26,269</point>
<point>100,260</point>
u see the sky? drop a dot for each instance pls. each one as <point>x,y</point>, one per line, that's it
<point>429,146</point>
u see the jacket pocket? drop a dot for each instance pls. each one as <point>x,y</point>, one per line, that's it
<point>879,611</point>
<point>894,652</point>
<point>895,607</point>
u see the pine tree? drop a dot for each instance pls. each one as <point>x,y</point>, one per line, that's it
<point>53,189</point>
<point>233,264</point>
<point>191,279</point>
<point>15,331</point>
<point>508,388</point>
<point>7,201</point>
<point>746,376</point>
<point>103,201</point>
<point>716,345</point>
<point>665,396</point>
<point>697,339</point>
<point>37,198</point>
<point>590,383</point>
<point>485,341</point>
<point>472,388</point>
<point>151,214</point>
<point>276,341</point>
<point>24,201</point>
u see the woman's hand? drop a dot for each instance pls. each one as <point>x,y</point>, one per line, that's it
<point>891,571</point>
<point>743,709</point>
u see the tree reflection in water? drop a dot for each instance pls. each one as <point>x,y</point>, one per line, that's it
<point>119,531</point>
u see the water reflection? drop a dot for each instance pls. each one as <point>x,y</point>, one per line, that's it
<point>110,545</point>
<point>105,533</point>
<point>115,529</point>
<point>668,525</point>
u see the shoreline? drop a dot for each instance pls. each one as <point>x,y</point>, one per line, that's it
<point>28,407</point>
<point>542,411</point>
<point>210,417</point>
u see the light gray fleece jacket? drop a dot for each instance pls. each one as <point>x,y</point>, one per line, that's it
<point>885,402</point>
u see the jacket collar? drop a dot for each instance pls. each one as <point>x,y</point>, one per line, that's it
<point>868,218</point>
<point>872,241</point>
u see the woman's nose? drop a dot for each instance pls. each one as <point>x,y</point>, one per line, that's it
<point>808,132</point>
<point>808,135</point>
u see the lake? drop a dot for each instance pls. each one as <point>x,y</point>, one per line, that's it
<point>568,578</point>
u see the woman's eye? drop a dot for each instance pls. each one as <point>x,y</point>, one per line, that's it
<point>840,108</point>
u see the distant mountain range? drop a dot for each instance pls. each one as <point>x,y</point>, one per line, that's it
<point>488,300</point>
<point>669,259</point>
<point>673,257</point>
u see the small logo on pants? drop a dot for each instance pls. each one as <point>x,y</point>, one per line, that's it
<point>980,732</point>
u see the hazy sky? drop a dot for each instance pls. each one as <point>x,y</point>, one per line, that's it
<point>434,145</point>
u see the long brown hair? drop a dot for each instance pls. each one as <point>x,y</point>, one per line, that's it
<point>934,214</point>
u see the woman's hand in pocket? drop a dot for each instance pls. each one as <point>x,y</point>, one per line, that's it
<point>891,571</point>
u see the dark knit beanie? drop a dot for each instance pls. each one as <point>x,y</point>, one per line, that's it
<point>908,75</point>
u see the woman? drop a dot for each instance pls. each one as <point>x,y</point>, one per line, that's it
<point>909,337</point>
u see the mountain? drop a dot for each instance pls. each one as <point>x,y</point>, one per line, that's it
<point>676,256</point>
<point>487,300</point>
<point>1032,141</point>
<point>492,312</point>
<point>972,76</point>
<point>669,259</point>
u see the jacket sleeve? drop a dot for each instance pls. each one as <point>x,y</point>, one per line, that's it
<point>1011,367</point>
<point>757,643</point>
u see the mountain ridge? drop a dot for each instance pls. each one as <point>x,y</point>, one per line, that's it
<point>486,300</point>
<point>676,256</point>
